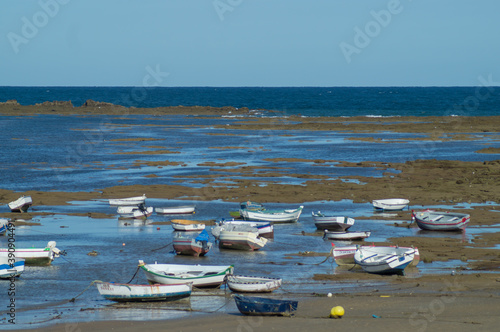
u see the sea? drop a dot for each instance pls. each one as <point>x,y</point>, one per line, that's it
<point>306,101</point>
<point>76,153</point>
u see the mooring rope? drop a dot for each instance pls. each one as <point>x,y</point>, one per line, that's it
<point>330,255</point>
<point>134,275</point>
<point>73,299</point>
<point>162,247</point>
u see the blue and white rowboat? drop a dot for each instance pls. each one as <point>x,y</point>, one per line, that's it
<point>9,270</point>
<point>143,293</point>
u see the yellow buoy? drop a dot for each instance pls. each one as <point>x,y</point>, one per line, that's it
<point>337,312</point>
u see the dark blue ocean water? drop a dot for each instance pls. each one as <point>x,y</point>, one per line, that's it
<point>307,101</point>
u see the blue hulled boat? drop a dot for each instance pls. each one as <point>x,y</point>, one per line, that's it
<point>262,306</point>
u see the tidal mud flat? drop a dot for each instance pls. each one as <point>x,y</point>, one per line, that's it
<point>313,174</point>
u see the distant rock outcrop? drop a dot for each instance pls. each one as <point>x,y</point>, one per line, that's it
<point>10,102</point>
<point>92,103</point>
<point>56,103</point>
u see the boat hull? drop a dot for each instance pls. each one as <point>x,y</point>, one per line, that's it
<point>187,209</point>
<point>244,284</point>
<point>265,228</point>
<point>191,247</point>
<point>261,306</point>
<point>345,255</point>
<point>391,204</point>
<point>143,293</point>
<point>188,227</point>
<point>346,235</point>
<point>241,240</point>
<point>131,201</point>
<point>33,256</point>
<point>384,260</point>
<point>285,216</point>
<point>441,221</point>
<point>22,204</point>
<point>200,276</point>
<point>134,212</point>
<point>4,224</point>
<point>9,270</point>
<point>331,223</point>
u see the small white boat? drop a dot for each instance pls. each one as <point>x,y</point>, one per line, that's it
<point>441,221</point>
<point>241,240</point>
<point>275,216</point>
<point>384,260</point>
<point>357,235</point>
<point>265,228</point>
<point>4,224</point>
<point>245,284</point>
<point>135,212</point>
<point>11,267</point>
<point>216,230</point>
<point>130,201</point>
<point>345,255</point>
<point>36,256</point>
<point>142,293</point>
<point>184,209</point>
<point>21,204</point>
<point>333,223</point>
<point>390,204</point>
<point>199,275</point>
<point>187,225</point>
<point>190,245</point>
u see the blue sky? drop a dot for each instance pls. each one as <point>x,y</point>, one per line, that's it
<point>249,42</point>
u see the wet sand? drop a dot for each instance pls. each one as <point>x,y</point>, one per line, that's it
<point>428,303</point>
<point>461,302</point>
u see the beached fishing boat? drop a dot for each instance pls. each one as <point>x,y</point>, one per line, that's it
<point>142,293</point>
<point>246,284</point>
<point>241,240</point>
<point>333,223</point>
<point>199,275</point>
<point>4,224</point>
<point>21,204</point>
<point>187,225</point>
<point>11,267</point>
<point>357,235</point>
<point>345,255</point>
<point>183,209</point>
<point>384,260</point>
<point>248,205</point>
<point>192,246</point>
<point>262,306</point>
<point>265,228</point>
<point>135,212</point>
<point>36,256</point>
<point>129,201</point>
<point>390,204</point>
<point>275,216</point>
<point>441,221</point>
<point>216,230</point>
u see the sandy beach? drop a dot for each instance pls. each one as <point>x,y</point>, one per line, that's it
<point>459,303</point>
<point>467,300</point>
